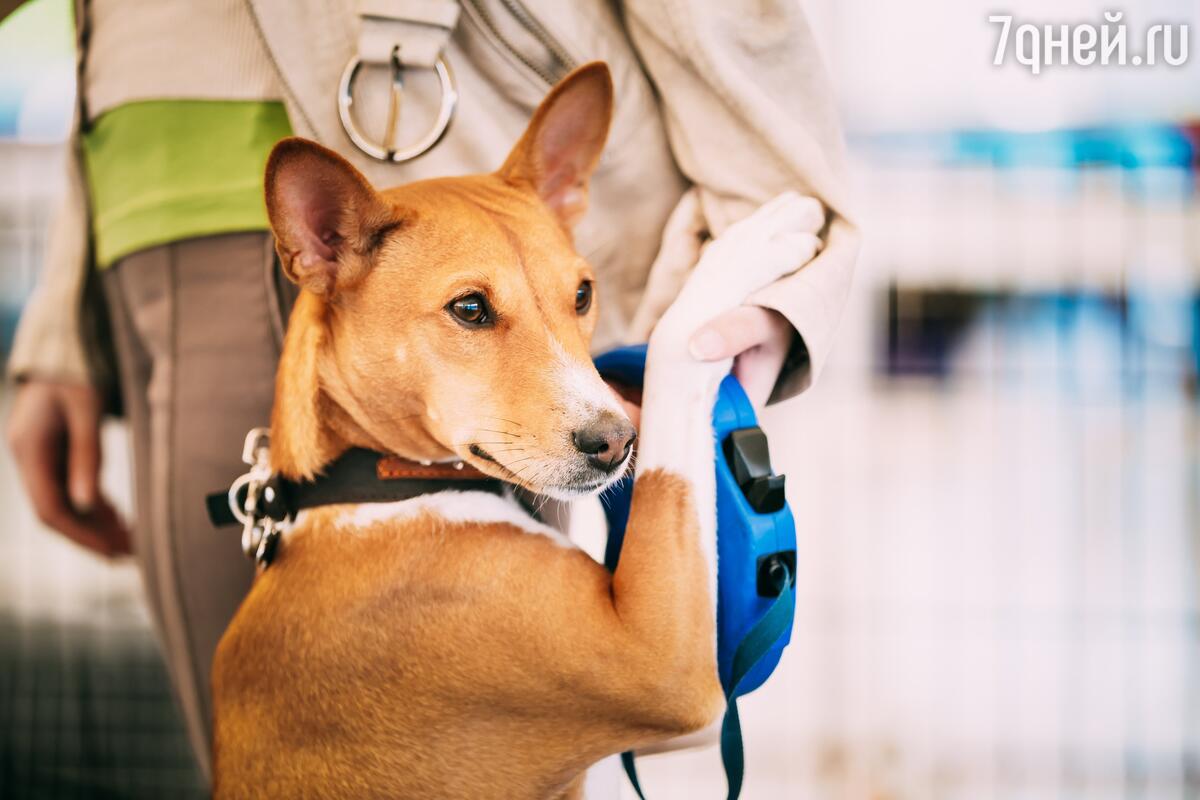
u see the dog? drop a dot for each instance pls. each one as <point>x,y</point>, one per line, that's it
<point>450,645</point>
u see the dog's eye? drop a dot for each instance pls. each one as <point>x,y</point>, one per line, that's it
<point>471,310</point>
<point>583,298</point>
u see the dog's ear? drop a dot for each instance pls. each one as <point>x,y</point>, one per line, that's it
<point>561,147</point>
<point>327,219</point>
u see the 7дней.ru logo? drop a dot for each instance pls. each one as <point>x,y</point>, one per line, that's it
<point>1084,44</point>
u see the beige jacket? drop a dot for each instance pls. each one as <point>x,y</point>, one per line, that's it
<point>727,95</point>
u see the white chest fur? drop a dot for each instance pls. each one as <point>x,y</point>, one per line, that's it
<point>448,506</point>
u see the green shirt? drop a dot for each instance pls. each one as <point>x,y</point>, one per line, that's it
<point>164,170</point>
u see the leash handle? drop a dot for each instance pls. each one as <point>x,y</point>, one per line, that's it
<point>754,646</point>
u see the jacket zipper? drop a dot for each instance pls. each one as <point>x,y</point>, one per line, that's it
<point>284,84</point>
<point>563,62</point>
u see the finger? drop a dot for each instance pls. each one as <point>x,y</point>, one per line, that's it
<point>757,371</point>
<point>39,460</point>
<point>100,530</point>
<point>107,523</point>
<point>731,333</point>
<point>41,469</point>
<point>83,451</point>
<point>84,535</point>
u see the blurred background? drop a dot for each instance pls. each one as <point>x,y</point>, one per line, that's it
<point>996,482</point>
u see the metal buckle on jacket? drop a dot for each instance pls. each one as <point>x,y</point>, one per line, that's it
<point>260,510</point>
<point>387,150</point>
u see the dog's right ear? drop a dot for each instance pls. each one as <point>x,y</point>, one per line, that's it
<point>327,219</point>
<point>561,147</point>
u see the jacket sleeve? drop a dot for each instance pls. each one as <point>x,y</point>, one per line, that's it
<point>749,114</point>
<point>49,341</point>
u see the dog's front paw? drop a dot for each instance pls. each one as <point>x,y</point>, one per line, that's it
<point>778,238</point>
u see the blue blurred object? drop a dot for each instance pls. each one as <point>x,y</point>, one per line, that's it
<point>37,71</point>
<point>756,534</point>
<point>1132,147</point>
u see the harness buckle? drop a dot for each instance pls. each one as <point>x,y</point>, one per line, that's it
<point>387,149</point>
<point>253,496</point>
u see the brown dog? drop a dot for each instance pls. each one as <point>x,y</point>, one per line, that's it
<point>450,646</point>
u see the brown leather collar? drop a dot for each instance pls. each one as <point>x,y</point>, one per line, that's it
<point>390,468</point>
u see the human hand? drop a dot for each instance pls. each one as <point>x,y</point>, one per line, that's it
<point>54,434</point>
<point>757,338</point>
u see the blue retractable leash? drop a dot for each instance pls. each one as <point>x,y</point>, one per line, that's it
<point>756,553</point>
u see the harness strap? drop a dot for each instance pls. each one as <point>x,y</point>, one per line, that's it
<point>756,644</point>
<point>419,28</point>
<point>400,35</point>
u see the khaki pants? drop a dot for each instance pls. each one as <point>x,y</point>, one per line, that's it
<point>198,332</point>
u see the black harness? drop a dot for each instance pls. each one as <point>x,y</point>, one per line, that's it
<point>263,502</point>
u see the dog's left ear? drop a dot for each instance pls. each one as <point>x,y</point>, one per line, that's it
<point>326,217</point>
<point>560,149</point>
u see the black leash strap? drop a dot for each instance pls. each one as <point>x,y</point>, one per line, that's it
<point>757,643</point>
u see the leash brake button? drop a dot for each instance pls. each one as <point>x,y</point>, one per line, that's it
<point>748,456</point>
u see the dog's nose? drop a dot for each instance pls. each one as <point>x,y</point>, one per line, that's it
<point>605,440</point>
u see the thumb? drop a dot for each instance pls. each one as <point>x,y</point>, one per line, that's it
<point>730,334</point>
<point>83,449</point>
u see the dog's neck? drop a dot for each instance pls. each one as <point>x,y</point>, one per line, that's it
<point>312,423</point>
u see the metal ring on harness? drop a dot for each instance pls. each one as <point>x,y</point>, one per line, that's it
<point>235,505</point>
<point>260,530</point>
<point>387,151</point>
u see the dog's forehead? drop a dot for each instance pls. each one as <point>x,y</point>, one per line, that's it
<point>471,201</point>
<point>481,219</point>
